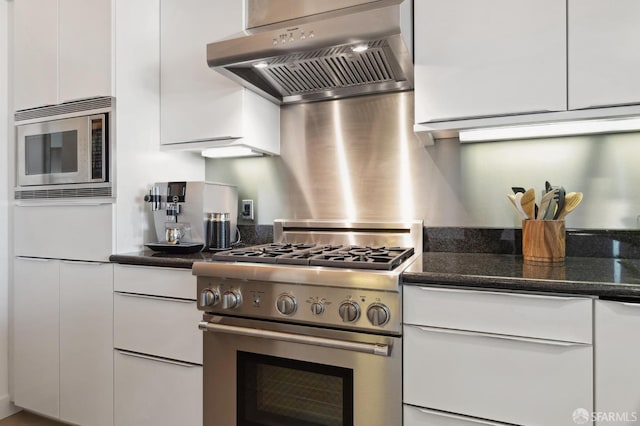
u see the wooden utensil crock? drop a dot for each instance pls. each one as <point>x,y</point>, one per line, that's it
<point>543,241</point>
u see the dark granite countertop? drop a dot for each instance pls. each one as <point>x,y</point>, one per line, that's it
<point>603,277</point>
<point>156,258</point>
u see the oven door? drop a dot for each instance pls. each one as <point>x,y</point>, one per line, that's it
<point>259,373</point>
<point>65,151</point>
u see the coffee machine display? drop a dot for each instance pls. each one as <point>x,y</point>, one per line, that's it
<point>183,213</point>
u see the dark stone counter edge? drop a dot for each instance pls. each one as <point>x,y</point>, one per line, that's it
<point>488,283</point>
<point>141,260</point>
<point>434,279</point>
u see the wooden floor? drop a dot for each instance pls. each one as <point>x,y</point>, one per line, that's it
<point>24,418</point>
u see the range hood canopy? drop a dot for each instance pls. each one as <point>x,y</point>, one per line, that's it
<point>357,50</point>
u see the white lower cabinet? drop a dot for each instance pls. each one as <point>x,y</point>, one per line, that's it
<point>156,391</point>
<point>417,416</point>
<point>158,347</point>
<point>36,343</point>
<point>86,341</point>
<point>457,376</point>
<point>617,363</point>
<point>63,339</point>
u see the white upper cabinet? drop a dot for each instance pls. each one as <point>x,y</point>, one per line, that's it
<point>85,49</point>
<point>197,103</point>
<point>62,51</point>
<point>487,58</point>
<point>35,55</point>
<point>604,64</point>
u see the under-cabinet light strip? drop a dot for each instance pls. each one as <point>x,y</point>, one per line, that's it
<point>567,128</point>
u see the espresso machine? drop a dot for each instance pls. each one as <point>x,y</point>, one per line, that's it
<point>183,211</point>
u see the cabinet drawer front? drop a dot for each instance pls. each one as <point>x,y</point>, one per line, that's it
<point>153,392</point>
<point>416,416</point>
<point>537,316</point>
<point>513,380</point>
<point>168,282</point>
<point>38,231</point>
<point>155,326</point>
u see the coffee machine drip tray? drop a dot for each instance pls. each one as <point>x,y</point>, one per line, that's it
<point>181,247</point>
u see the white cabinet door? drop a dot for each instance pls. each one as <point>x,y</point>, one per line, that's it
<point>154,391</point>
<point>86,343</point>
<point>515,380</point>
<point>196,102</point>
<point>88,231</point>
<point>62,51</point>
<point>487,58</point>
<point>35,53</point>
<point>85,49</point>
<point>603,53</point>
<point>417,416</point>
<point>617,352</point>
<point>36,347</point>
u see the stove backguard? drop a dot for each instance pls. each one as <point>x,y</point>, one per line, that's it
<point>357,233</point>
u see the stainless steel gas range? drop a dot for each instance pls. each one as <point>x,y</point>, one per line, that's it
<point>306,331</point>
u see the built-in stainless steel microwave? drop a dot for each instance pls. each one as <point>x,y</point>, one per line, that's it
<point>64,148</point>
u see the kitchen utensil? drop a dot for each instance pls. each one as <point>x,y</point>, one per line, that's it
<point>547,198</point>
<point>560,199</point>
<point>571,201</point>
<point>516,205</point>
<point>528,203</point>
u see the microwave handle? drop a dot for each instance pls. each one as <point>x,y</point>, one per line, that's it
<point>368,348</point>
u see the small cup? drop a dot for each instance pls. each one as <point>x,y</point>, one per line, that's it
<point>543,241</point>
<point>173,234</point>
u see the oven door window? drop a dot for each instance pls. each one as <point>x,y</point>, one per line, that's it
<point>276,391</point>
<point>51,153</point>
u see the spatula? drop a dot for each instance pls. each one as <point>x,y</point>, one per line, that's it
<point>571,201</point>
<point>512,198</point>
<point>544,204</point>
<point>528,203</point>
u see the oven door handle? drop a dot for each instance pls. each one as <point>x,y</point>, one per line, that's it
<point>368,348</point>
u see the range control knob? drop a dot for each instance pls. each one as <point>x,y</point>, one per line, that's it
<point>231,299</point>
<point>286,304</point>
<point>317,308</point>
<point>349,311</point>
<point>209,297</point>
<point>378,314</point>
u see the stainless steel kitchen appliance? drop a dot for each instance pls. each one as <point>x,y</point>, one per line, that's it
<point>307,330</point>
<point>182,209</point>
<point>63,151</point>
<point>301,51</point>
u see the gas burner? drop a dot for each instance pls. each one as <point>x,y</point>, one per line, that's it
<point>302,256</point>
<point>267,253</point>
<point>386,258</point>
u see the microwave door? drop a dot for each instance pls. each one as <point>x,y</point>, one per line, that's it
<point>54,152</point>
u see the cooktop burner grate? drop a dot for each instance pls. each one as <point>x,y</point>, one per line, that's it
<point>360,257</point>
<point>383,258</point>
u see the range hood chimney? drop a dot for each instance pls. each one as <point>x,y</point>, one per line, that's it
<point>359,47</point>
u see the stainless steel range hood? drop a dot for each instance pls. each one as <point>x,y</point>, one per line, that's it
<point>351,50</point>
